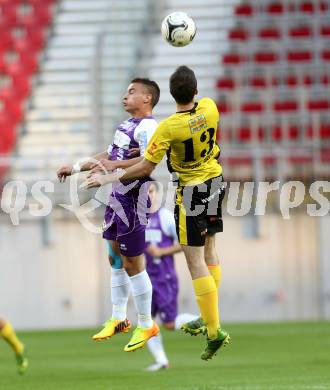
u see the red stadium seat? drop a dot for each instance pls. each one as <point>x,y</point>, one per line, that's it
<point>258,82</point>
<point>275,8</point>
<point>6,41</point>
<point>318,104</point>
<point>325,31</point>
<point>291,80</point>
<point>324,131</point>
<point>285,106</point>
<point>239,34</point>
<point>299,56</point>
<point>300,32</point>
<point>270,33</point>
<point>223,107</point>
<point>326,55</point>
<point>233,59</point>
<point>245,10</point>
<point>265,57</point>
<point>278,133</point>
<point>252,107</point>
<point>226,83</point>
<point>245,134</point>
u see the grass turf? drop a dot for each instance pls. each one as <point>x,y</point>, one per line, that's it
<point>260,357</point>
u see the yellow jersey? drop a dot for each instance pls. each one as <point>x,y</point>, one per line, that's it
<point>189,139</point>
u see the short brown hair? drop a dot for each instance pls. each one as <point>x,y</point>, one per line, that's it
<point>151,86</point>
<point>183,85</point>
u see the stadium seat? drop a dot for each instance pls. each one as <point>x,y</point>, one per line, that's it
<point>245,10</point>
<point>270,33</point>
<point>318,104</point>
<point>325,31</point>
<point>299,56</point>
<point>239,34</point>
<point>285,106</point>
<point>326,55</point>
<point>245,134</point>
<point>265,57</point>
<point>300,32</point>
<point>275,7</point>
<point>226,83</point>
<point>278,133</point>
<point>233,59</point>
<point>252,107</point>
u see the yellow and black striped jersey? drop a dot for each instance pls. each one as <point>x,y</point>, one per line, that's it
<point>189,139</point>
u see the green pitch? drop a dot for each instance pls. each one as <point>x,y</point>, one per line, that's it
<point>260,357</point>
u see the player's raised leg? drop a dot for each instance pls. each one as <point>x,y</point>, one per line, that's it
<point>207,299</point>
<point>197,325</point>
<point>8,333</point>
<point>142,295</point>
<point>120,290</point>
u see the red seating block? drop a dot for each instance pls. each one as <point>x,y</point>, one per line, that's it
<point>223,107</point>
<point>318,104</point>
<point>278,133</point>
<point>324,131</point>
<point>299,56</point>
<point>258,82</point>
<point>301,32</point>
<point>270,33</point>
<point>233,59</point>
<point>245,10</point>
<point>245,134</point>
<point>325,31</point>
<point>226,83</point>
<point>239,34</point>
<point>265,57</point>
<point>252,107</point>
<point>275,8</point>
<point>325,55</point>
<point>285,106</point>
<point>311,7</point>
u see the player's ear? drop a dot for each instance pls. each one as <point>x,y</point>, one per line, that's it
<point>147,99</point>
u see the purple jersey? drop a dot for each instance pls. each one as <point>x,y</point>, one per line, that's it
<point>124,219</point>
<point>161,232</point>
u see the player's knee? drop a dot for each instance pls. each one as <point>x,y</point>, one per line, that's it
<point>114,259</point>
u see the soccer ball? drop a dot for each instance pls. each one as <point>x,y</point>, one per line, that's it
<point>178,29</point>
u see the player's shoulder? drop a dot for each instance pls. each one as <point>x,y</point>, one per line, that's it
<point>207,102</point>
<point>147,123</point>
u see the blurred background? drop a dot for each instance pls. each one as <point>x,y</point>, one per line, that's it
<point>64,66</point>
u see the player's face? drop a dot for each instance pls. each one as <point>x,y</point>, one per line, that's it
<point>135,98</point>
<point>153,195</point>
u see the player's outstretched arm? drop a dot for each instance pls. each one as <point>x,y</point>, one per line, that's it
<point>106,165</point>
<point>137,171</point>
<point>67,170</point>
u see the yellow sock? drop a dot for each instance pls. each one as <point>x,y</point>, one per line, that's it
<point>8,333</point>
<point>215,271</point>
<point>207,299</point>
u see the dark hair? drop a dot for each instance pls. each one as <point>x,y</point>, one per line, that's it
<point>183,85</point>
<point>152,88</point>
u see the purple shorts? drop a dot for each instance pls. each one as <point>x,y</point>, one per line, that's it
<point>125,221</point>
<point>164,299</point>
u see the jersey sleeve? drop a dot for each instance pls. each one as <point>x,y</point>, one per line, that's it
<point>167,223</point>
<point>144,132</point>
<point>159,144</point>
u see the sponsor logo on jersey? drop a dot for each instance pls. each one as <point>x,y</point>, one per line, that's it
<point>152,149</point>
<point>197,124</point>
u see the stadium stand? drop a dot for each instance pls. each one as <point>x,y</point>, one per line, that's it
<point>273,90</point>
<point>24,27</point>
<point>89,58</point>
